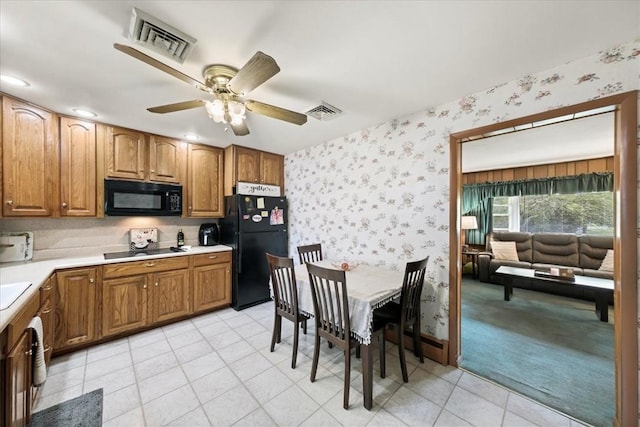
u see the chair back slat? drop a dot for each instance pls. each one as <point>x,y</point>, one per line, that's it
<point>330,301</point>
<point>283,283</point>
<point>412,289</point>
<point>310,253</point>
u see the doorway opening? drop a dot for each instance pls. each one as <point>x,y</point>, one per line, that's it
<point>625,249</point>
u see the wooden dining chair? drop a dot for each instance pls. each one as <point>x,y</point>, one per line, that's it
<point>310,253</point>
<point>285,297</point>
<point>406,314</point>
<point>331,313</point>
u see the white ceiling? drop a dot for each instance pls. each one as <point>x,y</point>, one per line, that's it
<point>585,138</point>
<point>374,60</point>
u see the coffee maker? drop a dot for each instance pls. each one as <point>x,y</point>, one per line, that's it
<point>209,234</point>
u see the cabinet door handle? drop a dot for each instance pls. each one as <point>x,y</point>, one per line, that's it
<point>64,205</point>
<point>47,349</point>
<point>9,202</point>
<point>46,311</point>
<point>213,257</point>
<point>92,280</point>
<point>150,264</point>
<point>28,353</point>
<point>46,288</point>
<point>156,284</point>
<point>144,286</point>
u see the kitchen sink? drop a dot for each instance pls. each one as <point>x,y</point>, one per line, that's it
<point>10,292</point>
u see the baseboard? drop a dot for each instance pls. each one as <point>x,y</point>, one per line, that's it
<point>433,348</point>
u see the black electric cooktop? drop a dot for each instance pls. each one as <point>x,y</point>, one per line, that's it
<point>131,254</point>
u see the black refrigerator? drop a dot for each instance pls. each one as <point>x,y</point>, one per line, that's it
<point>253,226</point>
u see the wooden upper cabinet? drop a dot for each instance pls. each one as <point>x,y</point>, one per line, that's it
<point>77,167</point>
<point>134,155</point>
<point>204,182</point>
<point>247,165</point>
<point>167,159</point>
<point>244,164</point>
<point>125,154</point>
<point>29,160</point>
<point>271,169</point>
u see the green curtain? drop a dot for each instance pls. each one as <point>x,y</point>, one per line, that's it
<point>585,183</point>
<point>477,199</point>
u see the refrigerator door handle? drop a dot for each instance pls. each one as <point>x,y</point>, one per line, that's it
<point>239,254</point>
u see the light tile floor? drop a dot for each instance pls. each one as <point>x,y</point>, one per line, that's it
<point>217,369</point>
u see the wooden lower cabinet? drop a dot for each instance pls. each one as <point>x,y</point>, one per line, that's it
<point>18,397</point>
<point>17,391</point>
<point>170,295</point>
<point>211,281</point>
<point>75,311</point>
<point>99,302</point>
<point>133,300</point>
<point>124,304</point>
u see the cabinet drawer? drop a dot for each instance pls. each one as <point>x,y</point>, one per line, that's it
<point>46,290</point>
<point>141,267</point>
<point>211,258</point>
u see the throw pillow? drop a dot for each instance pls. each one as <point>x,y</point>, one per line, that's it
<point>607,262</point>
<point>505,251</point>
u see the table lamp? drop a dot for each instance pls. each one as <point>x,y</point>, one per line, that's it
<point>467,223</point>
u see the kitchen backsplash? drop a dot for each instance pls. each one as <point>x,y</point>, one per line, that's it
<point>56,238</point>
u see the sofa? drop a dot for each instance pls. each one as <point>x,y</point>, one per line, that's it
<point>542,251</point>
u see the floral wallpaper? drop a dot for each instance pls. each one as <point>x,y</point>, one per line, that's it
<point>381,195</point>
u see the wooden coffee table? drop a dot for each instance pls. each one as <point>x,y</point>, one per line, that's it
<point>602,288</point>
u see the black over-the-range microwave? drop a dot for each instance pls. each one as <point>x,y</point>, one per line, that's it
<point>129,198</point>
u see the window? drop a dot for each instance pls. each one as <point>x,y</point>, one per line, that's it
<point>583,213</point>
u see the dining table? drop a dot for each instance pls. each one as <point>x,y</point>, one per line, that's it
<point>368,287</point>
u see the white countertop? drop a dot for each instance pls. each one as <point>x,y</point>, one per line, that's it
<point>37,272</point>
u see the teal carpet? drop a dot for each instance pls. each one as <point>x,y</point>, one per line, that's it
<point>551,349</point>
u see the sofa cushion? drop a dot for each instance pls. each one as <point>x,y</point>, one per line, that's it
<point>593,250</point>
<point>607,262</point>
<point>523,242</point>
<point>505,251</point>
<point>598,273</point>
<point>555,248</point>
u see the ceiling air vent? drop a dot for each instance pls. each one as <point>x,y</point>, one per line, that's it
<point>160,36</point>
<point>324,112</point>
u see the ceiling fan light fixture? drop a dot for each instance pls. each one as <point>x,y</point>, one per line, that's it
<point>225,111</point>
<point>215,110</point>
<point>236,112</point>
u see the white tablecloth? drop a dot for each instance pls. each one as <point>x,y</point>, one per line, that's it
<point>368,288</point>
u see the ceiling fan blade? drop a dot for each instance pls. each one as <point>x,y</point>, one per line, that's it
<point>159,65</point>
<point>240,130</point>
<point>276,112</point>
<point>260,68</point>
<point>178,106</point>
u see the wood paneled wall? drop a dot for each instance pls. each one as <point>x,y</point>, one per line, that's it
<point>602,164</point>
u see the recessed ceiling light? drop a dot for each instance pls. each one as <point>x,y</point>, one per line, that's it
<point>84,113</point>
<point>13,80</point>
<point>192,136</point>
